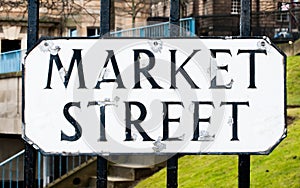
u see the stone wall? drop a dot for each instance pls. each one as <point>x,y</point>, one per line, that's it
<point>10,103</point>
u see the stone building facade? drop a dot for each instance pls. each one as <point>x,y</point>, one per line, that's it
<point>221,17</point>
<point>70,19</point>
<point>82,17</point>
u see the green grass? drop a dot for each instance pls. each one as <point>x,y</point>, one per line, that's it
<point>279,169</point>
<point>293,80</point>
<point>282,167</point>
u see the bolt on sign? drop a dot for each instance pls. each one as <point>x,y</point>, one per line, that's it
<point>155,96</point>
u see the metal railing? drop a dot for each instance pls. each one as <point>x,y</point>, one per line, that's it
<point>12,171</point>
<point>54,167</point>
<point>187,29</point>
<point>49,168</point>
<point>11,61</point>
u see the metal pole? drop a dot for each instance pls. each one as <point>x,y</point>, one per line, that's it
<point>29,167</point>
<point>174,18</point>
<point>105,17</point>
<point>32,37</point>
<point>245,31</point>
<point>102,162</point>
<point>45,171</point>
<point>291,19</point>
<point>172,169</point>
<point>105,10</point>
<point>172,163</point>
<point>101,172</point>
<point>257,2</point>
<point>245,19</point>
<point>33,23</point>
<point>244,171</point>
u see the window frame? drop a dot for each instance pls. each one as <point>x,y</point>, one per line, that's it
<point>235,7</point>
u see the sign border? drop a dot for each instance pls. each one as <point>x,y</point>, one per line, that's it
<point>267,152</point>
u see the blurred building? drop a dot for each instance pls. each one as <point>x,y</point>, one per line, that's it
<point>72,18</point>
<point>82,17</point>
<point>220,17</point>
<point>66,19</point>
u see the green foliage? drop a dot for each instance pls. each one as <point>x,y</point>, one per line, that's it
<point>279,169</point>
<point>293,80</point>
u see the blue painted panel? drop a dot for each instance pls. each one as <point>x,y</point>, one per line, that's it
<point>11,61</point>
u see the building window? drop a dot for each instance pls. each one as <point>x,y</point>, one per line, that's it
<point>205,7</point>
<point>154,10</point>
<point>283,15</point>
<point>72,32</point>
<point>235,6</point>
<point>93,31</point>
<point>184,8</point>
<point>10,45</point>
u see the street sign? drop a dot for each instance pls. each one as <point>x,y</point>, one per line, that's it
<point>155,96</point>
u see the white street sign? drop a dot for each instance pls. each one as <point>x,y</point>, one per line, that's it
<point>130,96</point>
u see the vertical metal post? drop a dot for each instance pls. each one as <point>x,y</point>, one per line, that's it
<point>174,18</point>
<point>33,23</point>
<point>10,174</point>
<point>104,30</point>
<point>17,173</point>
<point>257,30</point>
<point>102,162</point>
<point>32,37</point>
<point>29,168</point>
<point>101,172</point>
<point>245,19</point>
<point>245,30</point>
<point>172,163</point>
<point>291,18</point>
<point>172,169</point>
<point>105,17</point>
<point>39,169</point>
<point>244,171</point>
<point>45,171</point>
<point>56,167</point>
